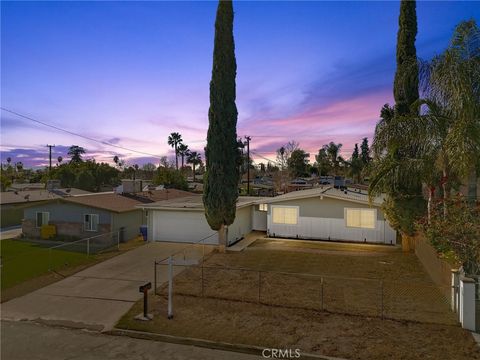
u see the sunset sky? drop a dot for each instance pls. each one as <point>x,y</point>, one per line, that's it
<point>130,73</point>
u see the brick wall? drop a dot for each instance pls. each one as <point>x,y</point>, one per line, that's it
<point>64,229</point>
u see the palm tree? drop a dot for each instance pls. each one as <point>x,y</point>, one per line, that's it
<point>174,139</point>
<point>75,152</point>
<point>440,145</point>
<point>183,151</point>
<point>333,151</point>
<point>322,162</point>
<point>194,158</point>
<point>451,82</point>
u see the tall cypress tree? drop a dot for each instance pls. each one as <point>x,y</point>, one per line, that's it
<point>221,176</point>
<point>405,88</point>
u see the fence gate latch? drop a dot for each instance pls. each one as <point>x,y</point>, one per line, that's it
<point>145,316</point>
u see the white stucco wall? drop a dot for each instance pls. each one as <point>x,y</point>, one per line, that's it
<point>331,229</point>
<point>191,226</point>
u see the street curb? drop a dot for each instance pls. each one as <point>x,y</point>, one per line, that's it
<point>240,348</point>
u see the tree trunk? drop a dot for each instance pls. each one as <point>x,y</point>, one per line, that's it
<point>176,156</point>
<point>222,238</point>
<point>408,243</point>
<point>405,243</point>
<point>472,188</point>
<point>431,195</point>
<point>193,165</point>
<point>446,191</point>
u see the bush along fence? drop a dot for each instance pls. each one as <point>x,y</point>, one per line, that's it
<point>400,300</point>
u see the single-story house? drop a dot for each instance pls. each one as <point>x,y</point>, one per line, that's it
<point>12,203</point>
<point>183,220</point>
<point>92,214</point>
<point>323,213</point>
<point>327,213</point>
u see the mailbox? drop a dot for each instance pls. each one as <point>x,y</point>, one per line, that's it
<point>145,288</point>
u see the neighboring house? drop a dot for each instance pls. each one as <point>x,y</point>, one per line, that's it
<point>92,214</point>
<point>12,203</point>
<point>327,213</point>
<point>183,220</point>
<point>26,186</point>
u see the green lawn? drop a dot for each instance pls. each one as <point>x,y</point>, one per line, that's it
<point>22,261</point>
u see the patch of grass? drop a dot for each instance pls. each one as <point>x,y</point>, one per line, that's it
<point>22,261</point>
<point>49,277</point>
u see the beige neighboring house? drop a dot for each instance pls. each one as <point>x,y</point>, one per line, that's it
<point>12,203</point>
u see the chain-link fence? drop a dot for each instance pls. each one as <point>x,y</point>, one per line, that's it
<point>190,254</point>
<point>23,259</point>
<point>400,300</point>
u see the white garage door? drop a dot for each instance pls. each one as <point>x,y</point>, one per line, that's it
<point>181,226</point>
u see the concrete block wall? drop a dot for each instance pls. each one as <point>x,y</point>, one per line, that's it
<point>72,229</point>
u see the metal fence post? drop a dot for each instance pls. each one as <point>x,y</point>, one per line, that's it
<point>118,240</point>
<point>259,285</point>
<point>382,290</point>
<point>321,282</point>
<point>155,277</point>
<point>50,265</point>
<point>88,246</point>
<point>203,289</point>
<point>170,287</point>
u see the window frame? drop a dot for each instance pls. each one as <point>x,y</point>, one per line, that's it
<point>85,228</point>
<point>263,207</point>
<point>284,207</point>
<point>374,211</point>
<point>43,214</point>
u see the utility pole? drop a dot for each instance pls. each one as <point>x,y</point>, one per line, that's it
<point>248,138</point>
<point>50,157</point>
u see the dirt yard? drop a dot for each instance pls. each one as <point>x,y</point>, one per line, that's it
<point>351,337</point>
<point>286,310</point>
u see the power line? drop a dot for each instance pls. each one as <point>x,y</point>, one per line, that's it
<point>79,135</point>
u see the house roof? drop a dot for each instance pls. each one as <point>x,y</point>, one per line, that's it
<point>193,203</point>
<point>353,195</point>
<point>126,202</point>
<point>26,196</point>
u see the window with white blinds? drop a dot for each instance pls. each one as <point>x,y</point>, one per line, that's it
<point>360,218</point>
<point>285,215</point>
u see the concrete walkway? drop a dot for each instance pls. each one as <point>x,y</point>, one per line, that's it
<point>97,297</point>
<point>11,232</point>
<point>25,340</point>
<point>247,241</point>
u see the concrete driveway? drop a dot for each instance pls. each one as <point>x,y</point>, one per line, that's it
<point>96,298</point>
<point>10,232</point>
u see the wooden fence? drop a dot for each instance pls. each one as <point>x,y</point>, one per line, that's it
<point>440,270</point>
